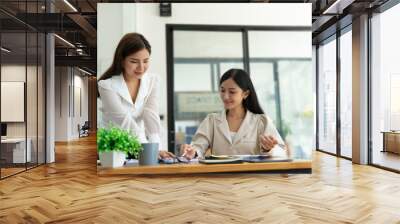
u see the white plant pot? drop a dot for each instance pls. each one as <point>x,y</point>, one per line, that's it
<point>112,159</point>
<point>132,162</point>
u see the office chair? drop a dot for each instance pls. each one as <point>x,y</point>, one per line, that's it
<point>84,130</point>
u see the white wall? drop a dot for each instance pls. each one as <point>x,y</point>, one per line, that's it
<point>68,81</point>
<point>33,127</point>
<point>80,83</point>
<point>61,103</point>
<point>115,20</point>
<point>12,73</point>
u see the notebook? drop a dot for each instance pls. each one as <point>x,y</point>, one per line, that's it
<point>213,159</point>
<point>264,159</point>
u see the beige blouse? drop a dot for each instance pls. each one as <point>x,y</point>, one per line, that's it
<point>214,133</point>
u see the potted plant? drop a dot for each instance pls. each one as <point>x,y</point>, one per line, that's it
<point>114,144</point>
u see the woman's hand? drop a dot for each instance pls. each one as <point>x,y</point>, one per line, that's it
<point>165,154</point>
<point>188,151</point>
<point>267,142</point>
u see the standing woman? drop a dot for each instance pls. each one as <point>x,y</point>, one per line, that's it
<point>241,128</point>
<point>128,94</point>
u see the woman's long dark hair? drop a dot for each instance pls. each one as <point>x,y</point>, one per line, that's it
<point>242,79</point>
<point>129,44</point>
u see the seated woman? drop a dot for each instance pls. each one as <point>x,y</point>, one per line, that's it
<point>241,128</point>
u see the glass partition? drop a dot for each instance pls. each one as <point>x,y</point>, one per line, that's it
<point>385,85</point>
<point>22,88</point>
<point>197,96</point>
<point>280,67</point>
<point>14,154</point>
<point>327,96</point>
<point>346,94</point>
<point>262,75</point>
<point>279,64</point>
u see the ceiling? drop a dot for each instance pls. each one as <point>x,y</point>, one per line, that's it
<point>76,23</point>
<point>332,15</point>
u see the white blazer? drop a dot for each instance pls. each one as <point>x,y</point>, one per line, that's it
<point>141,117</point>
<point>214,133</point>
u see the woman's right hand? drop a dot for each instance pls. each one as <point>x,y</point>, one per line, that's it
<point>267,142</point>
<point>188,151</point>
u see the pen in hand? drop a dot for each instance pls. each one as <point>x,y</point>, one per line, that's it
<point>187,149</point>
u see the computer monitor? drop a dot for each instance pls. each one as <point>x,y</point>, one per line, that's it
<point>3,129</point>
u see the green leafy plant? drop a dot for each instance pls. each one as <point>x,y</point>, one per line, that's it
<point>117,139</point>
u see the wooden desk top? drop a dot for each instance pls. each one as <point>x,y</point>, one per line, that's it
<point>391,132</point>
<point>195,167</point>
<point>14,140</point>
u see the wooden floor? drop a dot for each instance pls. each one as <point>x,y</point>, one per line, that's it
<point>70,191</point>
<point>5,172</point>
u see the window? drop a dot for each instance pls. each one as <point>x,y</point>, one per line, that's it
<point>327,96</point>
<point>385,85</point>
<point>201,56</point>
<point>197,69</point>
<point>346,94</point>
<point>280,67</point>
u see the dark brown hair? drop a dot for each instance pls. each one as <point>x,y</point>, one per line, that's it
<point>129,44</point>
<point>242,79</point>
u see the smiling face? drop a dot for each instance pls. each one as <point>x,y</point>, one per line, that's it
<point>231,94</point>
<point>135,65</point>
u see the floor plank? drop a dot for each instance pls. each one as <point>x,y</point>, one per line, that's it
<point>70,191</point>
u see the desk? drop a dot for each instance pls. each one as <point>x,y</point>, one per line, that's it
<point>303,166</point>
<point>391,141</point>
<point>16,148</point>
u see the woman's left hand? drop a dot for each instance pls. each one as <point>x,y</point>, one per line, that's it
<point>165,155</point>
<point>267,142</point>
